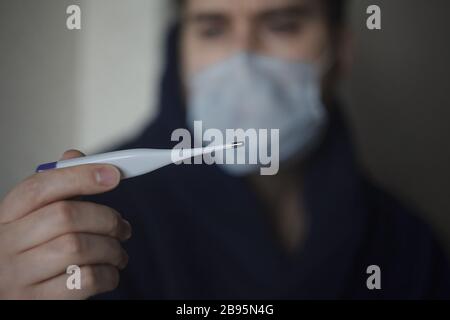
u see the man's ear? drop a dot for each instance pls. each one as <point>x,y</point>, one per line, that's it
<point>344,51</point>
<point>341,65</point>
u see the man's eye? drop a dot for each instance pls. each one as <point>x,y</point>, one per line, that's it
<point>285,26</point>
<point>211,32</point>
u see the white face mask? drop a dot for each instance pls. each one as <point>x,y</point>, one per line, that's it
<point>249,91</point>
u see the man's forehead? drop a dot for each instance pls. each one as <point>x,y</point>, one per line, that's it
<point>241,6</point>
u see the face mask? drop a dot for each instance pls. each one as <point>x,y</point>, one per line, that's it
<point>249,91</point>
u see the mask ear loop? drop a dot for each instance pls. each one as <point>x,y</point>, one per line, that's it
<point>325,62</point>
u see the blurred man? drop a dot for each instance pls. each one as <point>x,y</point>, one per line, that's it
<point>206,232</point>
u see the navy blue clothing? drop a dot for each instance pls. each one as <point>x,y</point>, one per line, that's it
<point>200,234</point>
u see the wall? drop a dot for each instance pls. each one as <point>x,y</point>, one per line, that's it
<point>399,102</point>
<point>85,89</point>
<point>38,81</point>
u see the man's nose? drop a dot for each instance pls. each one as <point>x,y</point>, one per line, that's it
<point>246,38</point>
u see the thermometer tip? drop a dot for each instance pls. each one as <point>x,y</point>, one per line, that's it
<point>238,144</point>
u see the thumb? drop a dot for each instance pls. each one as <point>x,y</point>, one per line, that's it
<point>14,196</point>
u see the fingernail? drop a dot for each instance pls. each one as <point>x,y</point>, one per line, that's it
<point>124,261</point>
<point>107,176</point>
<point>128,229</point>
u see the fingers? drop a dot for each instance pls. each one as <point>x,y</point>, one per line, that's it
<point>54,185</point>
<point>54,257</point>
<point>65,217</point>
<point>95,279</point>
<point>72,154</point>
<point>42,233</point>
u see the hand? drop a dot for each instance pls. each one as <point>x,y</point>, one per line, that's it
<point>44,229</point>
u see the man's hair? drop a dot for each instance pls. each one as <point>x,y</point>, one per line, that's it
<point>335,10</point>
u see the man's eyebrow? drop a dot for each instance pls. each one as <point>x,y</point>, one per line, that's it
<point>294,11</point>
<point>204,17</point>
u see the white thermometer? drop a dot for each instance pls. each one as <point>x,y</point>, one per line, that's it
<point>133,163</point>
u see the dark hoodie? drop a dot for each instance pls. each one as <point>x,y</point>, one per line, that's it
<point>200,234</point>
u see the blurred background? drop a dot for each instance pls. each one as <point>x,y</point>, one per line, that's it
<point>96,87</point>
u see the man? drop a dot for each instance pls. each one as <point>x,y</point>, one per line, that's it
<point>225,232</point>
